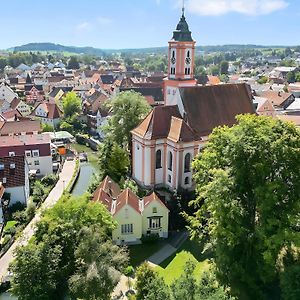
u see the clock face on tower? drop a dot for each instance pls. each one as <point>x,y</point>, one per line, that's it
<point>187,60</point>
<point>173,60</point>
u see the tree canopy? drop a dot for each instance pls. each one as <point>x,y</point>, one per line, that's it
<point>71,104</point>
<point>113,160</point>
<point>73,63</point>
<point>128,110</point>
<point>67,245</point>
<point>248,184</point>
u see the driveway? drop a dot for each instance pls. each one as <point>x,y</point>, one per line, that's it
<point>65,178</point>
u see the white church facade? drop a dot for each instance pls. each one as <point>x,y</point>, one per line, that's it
<point>168,139</point>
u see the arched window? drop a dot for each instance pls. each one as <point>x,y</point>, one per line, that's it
<point>158,159</point>
<point>188,54</point>
<point>187,163</point>
<point>170,161</point>
<point>173,54</point>
<point>169,178</point>
<point>187,180</point>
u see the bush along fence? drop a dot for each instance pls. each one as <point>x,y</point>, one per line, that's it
<point>19,215</point>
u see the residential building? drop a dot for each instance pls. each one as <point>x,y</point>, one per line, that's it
<point>36,148</point>
<point>6,93</point>
<point>264,107</point>
<point>19,127</point>
<point>48,113</point>
<point>135,217</point>
<point>280,100</point>
<point>14,175</point>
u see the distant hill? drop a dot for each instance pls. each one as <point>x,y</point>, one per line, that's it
<point>51,47</point>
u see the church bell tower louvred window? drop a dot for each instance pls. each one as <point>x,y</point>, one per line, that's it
<point>181,52</point>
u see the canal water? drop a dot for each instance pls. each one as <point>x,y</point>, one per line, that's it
<point>87,171</point>
<point>7,296</point>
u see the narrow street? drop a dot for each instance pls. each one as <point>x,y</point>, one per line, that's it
<point>64,179</point>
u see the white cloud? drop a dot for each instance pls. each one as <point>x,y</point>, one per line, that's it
<point>84,26</point>
<point>104,20</point>
<point>246,7</point>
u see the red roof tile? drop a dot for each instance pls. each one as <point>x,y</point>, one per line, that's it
<point>127,197</point>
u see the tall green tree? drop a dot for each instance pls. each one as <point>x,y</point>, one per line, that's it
<point>113,160</point>
<point>73,63</point>
<point>128,110</point>
<point>50,259</point>
<point>99,263</point>
<point>224,65</point>
<point>291,77</point>
<point>35,270</point>
<point>248,184</point>
<point>71,105</point>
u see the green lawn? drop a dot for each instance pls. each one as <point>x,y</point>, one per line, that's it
<point>173,267</point>
<point>139,253</point>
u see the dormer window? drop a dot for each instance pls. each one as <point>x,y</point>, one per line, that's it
<point>12,166</point>
<point>11,154</point>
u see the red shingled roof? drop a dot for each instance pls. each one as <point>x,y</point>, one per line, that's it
<point>18,127</point>
<point>14,176</point>
<point>152,197</point>
<point>53,112</point>
<point>207,107</point>
<point>157,124</point>
<point>127,197</point>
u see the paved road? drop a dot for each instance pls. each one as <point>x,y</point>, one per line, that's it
<point>64,179</point>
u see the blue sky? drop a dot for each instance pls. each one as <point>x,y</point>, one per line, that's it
<point>112,24</point>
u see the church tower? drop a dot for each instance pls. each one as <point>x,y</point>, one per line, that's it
<point>180,62</point>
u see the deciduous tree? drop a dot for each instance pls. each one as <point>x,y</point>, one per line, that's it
<point>248,184</point>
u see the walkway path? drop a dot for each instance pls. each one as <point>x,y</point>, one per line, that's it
<point>168,250</point>
<point>65,178</point>
<point>154,260</point>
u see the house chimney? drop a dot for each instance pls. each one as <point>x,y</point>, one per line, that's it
<point>279,94</point>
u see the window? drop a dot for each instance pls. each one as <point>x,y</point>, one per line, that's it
<point>1,167</point>
<point>28,153</point>
<point>188,54</point>
<point>187,163</point>
<point>158,159</point>
<point>154,223</point>
<point>154,210</point>
<point>35,153</point>
<point>127,228</point>
<point>11,154</point>
<point>169,178</point>
<point>126,213</point>
<point>187,180</point>
<point>36,162</point>
<point>173,54</point>
<point>4,180</point>
<point>170,161</point>
<point>12,166</point>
